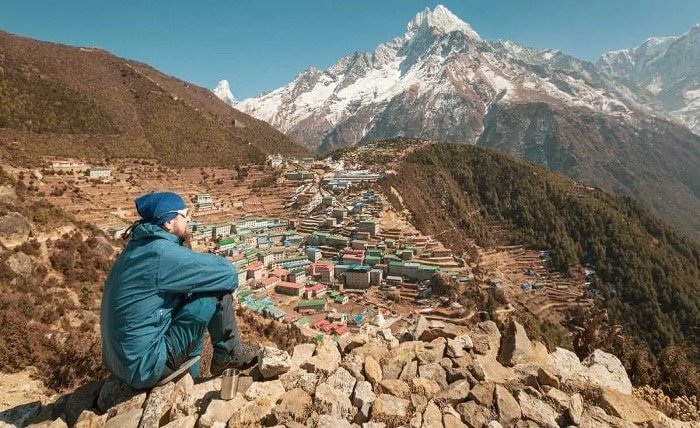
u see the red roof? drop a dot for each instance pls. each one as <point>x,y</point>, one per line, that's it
<point>279,272</point>
<point>320,323</point>
<point>289,284</point>
<point>341,329</point>
<point>255,266</point>
<point>269,280</point>
<point>316,287</point>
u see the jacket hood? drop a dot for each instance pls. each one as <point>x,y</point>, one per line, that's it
<point>152,231</point>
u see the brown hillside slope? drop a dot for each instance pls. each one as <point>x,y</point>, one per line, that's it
<point>84,102</point>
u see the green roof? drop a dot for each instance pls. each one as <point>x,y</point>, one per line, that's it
<point>310,303</point>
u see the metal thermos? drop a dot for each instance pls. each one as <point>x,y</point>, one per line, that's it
<point>229,384</point>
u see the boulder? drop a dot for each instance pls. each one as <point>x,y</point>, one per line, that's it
<point>90,419</point>
<point>7,193</point>
<point>451,419</point>
<point>253,413</point>
<point>455,393</point>
<point>184,401</point>
<point>342,380</point>
<point>273,362</point>
<point>395,387</point>
<point>20,264</point>
<point>594,416</point>
<point>373,371</point>
<point>607,371</point>
<point>128,419</point>
<point>576,408</point>
<point>545,377</point>
<point>433,372</point>
<point>298,378</point>
<point>220,411</point>
<point>558,398</point>
<point>386,338</point>
<point>627,407</point>
<point>507,406</point>
<point>482,393</point>
<point>456,347</point>
<point>392,370</point>
<point>409,371</point>
<point>295,405</point>
<point>431,352</point>
<point>326,360</point>
<point>537,410</point>
<point>362,398</point>
<point>354,364</point>
<point>158,403</point>
<point>516,347</point>
<point>14,228</point>
<point>328,421</point>
<point>270,390</point>
<point>133,403</point>
<point>419,327</point>
<point>301,354</point>
<point>474,415</point>
<point>349,342</point>
<point>184,422</point>
<point>388,407</point>
<point>419,402</point>
<point>486,338</point>
<point>432,416</point>
<point>331,401</point>
<point>426,387</point>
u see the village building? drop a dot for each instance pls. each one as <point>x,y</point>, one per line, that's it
<point>99,172</point>
<point>280,273</point>
<point>274,313</point>
<point>289,288</point>
<point>226,244</point>
<point>315,291</point>
<point>369,226</point>
<point>306,306</point>
<point>203,201</point>
<point>220,230</point>
<point>375,276</point>
<point>357,277</point>
<point>269,282</point>
<point>297,275</point>
<point>68,166</point>
<point>256,271</point>
<point>313,253</point>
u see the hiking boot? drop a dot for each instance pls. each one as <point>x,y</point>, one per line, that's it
<point>243,357</point>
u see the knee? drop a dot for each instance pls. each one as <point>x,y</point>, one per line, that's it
<point>202,308</point>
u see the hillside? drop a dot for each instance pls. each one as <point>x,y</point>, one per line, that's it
<point>646,273</point>
<point>84,102</point>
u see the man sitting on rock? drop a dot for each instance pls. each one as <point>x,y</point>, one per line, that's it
<point>160,297</point>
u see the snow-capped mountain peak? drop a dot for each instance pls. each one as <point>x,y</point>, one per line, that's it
<point>440,20</point>
<point>223,92</point>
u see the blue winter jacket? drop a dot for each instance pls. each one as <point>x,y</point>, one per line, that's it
<point>146,283</point>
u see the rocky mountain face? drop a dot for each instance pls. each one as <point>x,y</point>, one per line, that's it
<point>84,102</point>
<point>440,80</point>
<point>664,74</point>
<point>434,374</point>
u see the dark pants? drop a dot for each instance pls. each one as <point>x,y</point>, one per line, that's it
<point>185,337</point>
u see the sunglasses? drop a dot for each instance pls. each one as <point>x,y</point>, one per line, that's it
<point>183,212</point>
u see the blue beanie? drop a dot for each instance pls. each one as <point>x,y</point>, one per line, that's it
<point>159,207</point>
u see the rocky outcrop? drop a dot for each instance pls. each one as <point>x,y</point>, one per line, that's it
<point>442,381</point>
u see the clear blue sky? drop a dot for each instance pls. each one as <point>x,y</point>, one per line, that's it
<point>262,44</point>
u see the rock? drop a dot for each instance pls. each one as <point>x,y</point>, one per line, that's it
<point>342,380</point>
<point>354,363</point>
<point>387,339</point>
<point>486,338</point>
<point>627,407</point>
<point>271,390</point>
<point>373,371</point>
<point>452,419</point>
<point>545,377</point>
<point>388,407</point>
<point>251,414</point>
<point>419,327</point>
<point>576,408</point>
<point>558,398</point>
<point>418,402</point>
<point>537,410</point>
<point>494,424</point>
<point>507,407</point>
<point>20,415</point>
<point>57,423</point>
<point>82,399</point>
<point>331,401</point>
<point>113,392</point>
<point>7,192</point>
<point>128,419</point>
<point>328,421</point>
<point>607,371</point>
<point>14,228</point>
<point>295,405</point>
<point>349,342</point>
<point>432,416</point>
<point>158,403</point>
<point>416,421</point>
<point>455,393</point>
<point>446,363</point>
<point>221,411</point>
<point>395,387</point>
<point>454,374</point>
<point>20,264</point>
<point>432,352</point>
<point>456,347</point>
<point>133,403</point>
<point>326,360</point>
<point>409,371</point>
<point>482,393</point>
<point>301,354</point>
<point>90,419</point>
<point>426,387</point>
<point>51,411</point>
<point>203,392</point>
<point>433,372</point>
<point>184,422</point>
<point>298,378</point>
<point>362,398</point>
<point>596,417</point>
<point>273,362</point>
<point>474,415</point>
<point>516,347</point>
<point>183,399</point>
<point>392,370</point>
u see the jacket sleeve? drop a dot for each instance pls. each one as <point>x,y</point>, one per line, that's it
<point>181,270</point>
